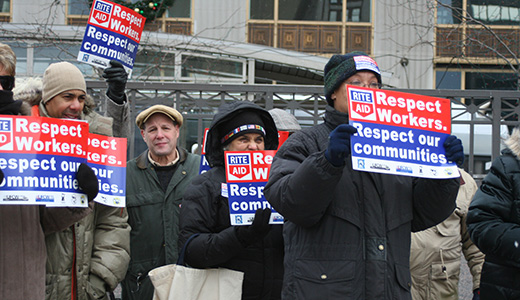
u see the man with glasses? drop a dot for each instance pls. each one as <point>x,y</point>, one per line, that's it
<point>347,233</point>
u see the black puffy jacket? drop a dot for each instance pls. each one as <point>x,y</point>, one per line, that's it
<point>494,224</point>
<point>205,211</point>
<point>347,233</point>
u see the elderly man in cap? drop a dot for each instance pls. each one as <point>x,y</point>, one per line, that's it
<point>155,185</point>
<point>347,233</point>
<point>86,260</point>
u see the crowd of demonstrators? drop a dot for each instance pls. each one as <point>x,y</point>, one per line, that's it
<point>257,249</point>
<point>156,181</point>
<point>435,255</point>
<point>23,227</point>
<point>494,224</point>
<point>347,233</point>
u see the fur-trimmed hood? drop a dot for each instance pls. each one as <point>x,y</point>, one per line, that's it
<point>513,142</point>
<point>29,90</point>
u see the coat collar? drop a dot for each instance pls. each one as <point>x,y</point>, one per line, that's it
<point>143,162</point>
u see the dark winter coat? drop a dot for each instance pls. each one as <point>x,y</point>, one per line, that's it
<point>494,224</point>
<point>347,233</point>
<point>153,215</point>
<point>204,210</point>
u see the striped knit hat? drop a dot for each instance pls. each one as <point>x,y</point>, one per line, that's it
<point>340,67</point>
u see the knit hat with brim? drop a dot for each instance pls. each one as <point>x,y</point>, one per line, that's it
<point>340,67</point>
<point>61,77</point>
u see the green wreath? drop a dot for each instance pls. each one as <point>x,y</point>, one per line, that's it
<point>150,9</point>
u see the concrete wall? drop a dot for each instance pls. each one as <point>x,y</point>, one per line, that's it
<point>222,19</point>
<point>403,29</point>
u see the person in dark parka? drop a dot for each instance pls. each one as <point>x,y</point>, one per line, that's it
<point>257,249</point>
<point>347,233</point>
<point>494,224</point>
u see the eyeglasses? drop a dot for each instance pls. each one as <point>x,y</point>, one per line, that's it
<point>372,85</point>
<point>7,82</point>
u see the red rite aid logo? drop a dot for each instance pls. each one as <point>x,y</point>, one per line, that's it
<point>6,134</point>
<point>361,103</point>
<point>101,12</point>
<point>239,166</point>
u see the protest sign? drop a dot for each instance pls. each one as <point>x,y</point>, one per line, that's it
<point>107,158</point>
<point>113,32</point>
<point>399,133</point>
<point>282,137</point>
<point>40,158</point>
<point>247,173</point>
<point>204,165</point>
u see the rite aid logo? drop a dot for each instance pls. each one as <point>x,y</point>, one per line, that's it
<point>101,12</point>
<point>6,134</point>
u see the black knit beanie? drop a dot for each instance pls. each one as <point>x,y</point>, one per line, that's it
<point>244,121</point>
<point>341,67</point>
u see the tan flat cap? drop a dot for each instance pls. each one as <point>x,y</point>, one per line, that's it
<point>171,112</point>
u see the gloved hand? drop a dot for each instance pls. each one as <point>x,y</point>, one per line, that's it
<point>454,150</point>
<point>476,294</point>
<point>339,144</point>
<point>260,227</point>
<point>116,78</point>
<point>87,181</point>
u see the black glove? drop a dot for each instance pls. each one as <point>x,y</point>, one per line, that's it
<point>476,294</point>
<point>260,227</point>
<point>87,181</point>
<point>116,77</point>
<point>339,144</point>
<point>454,150</point>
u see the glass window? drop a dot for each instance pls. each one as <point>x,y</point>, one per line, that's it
<point>449,11</point>
<point>261,9</point>
<point>310,10</point>
<point>5,6</point>
<point>491,81</point>
<point>153,64</point>
<point>79,7</point>
<point>358,11</point>
<point>207,68</point>
<point>504,12</point>
<point>447,80</point>
<point>179,9</point>
<point>45,55</point>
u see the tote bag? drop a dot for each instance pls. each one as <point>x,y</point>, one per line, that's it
<point>179,282</point>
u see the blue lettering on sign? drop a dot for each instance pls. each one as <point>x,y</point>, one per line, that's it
<point>238,159</point>
<point>104,7</point>
<point>361,96</point>
<point>5,125</point>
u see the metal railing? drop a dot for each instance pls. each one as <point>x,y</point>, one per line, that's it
<point>475,110</point>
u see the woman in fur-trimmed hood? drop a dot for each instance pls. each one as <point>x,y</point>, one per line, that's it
<point>494,224</point>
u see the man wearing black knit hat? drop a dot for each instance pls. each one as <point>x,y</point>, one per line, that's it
<point>257,249</point>
<point>346,232</point>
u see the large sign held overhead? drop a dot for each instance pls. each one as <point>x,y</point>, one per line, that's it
<point>113,32</point>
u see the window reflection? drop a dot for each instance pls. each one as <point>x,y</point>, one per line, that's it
<point>505,12</point>
<point>78,7</point>
<point>179,9</point>
<point>310,10</point>
<point>5,6</point>
<point>491,81</point>
<point>449,11</point>
<point>261,9</point>
<point>153,64</point>
<point>211,69</point>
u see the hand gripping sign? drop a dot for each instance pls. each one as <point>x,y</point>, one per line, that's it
<point>40,158</point>
<point>399,133</point>
<point>113,32</point>
<point>247,173</point>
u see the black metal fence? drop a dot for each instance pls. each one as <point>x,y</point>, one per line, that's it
<point>480,117</point>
